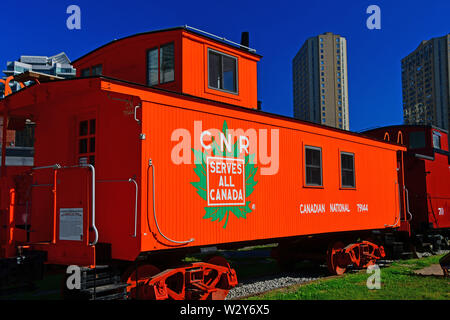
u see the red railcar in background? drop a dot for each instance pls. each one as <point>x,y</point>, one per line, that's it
<point>427,180</point>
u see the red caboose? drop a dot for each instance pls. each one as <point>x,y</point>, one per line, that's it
<point>174,157</point>
<point>427,176</point>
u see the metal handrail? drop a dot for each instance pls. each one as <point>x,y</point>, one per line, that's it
<point>90,166</point>
<point>150,164</point>
<point>221,38</point>
<point>55,167</point>
<point>136,200</point>
<point>135,114</point>
<point>135,206</point>
<point>93,202</point>
<point>407,204</point>
<point>393,225</point>
<point>399,210</point>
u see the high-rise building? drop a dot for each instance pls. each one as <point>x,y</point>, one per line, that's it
<point>425,83</point>
<point>57,65</point>
<point>319,73</point>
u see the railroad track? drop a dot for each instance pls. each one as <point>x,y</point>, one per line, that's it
<point>256,286</point>
<point>272,278</point>
<point>249,288</point>
<point>252,286</point>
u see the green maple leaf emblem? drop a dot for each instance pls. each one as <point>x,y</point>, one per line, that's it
<point>218,213</point>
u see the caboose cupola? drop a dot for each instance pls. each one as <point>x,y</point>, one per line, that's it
<point>184,60</point>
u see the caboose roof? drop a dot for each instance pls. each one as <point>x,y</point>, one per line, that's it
<point>407,127</point>
<point>19,103</point>
<point>184,28</point>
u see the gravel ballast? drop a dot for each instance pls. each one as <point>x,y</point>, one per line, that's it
<point>256,286</point>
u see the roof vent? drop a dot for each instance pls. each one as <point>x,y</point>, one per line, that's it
<point>245,41</point>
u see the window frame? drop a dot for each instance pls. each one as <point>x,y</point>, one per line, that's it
<point>305,180</point>
<point>100,65</point>
<point>91,151</point>
<point>88,69</point>
<point>160,61</point>
<point>416,135</point>
<point>147,61</point>
<point>438,135</point>
<point>236,59</point>
<point>341,184</point>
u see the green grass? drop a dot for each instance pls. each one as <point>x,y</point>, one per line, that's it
<point>398,282</point>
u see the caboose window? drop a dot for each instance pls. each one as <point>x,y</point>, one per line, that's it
<point>152,61</point>
<point>97,70</point>
<point>436,140</point>
<point>94,71</point>
<point>167,63</point>
<point>417,140</point>
<point>222,71</point>
<point>86,141</point>
<point>347,170</point>
<point>161,65</point>
<point>313,166</point>
<point>85,72</point>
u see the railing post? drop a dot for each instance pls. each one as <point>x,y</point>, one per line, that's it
<point>55,172</point>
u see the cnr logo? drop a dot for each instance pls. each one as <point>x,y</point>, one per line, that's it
<point>262,143</point>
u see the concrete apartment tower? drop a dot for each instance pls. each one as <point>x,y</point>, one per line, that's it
<point>319,73</point>
<point>426,85</point>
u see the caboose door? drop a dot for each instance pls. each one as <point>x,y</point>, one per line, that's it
<point>62,215</point>
<point>42,218</point>
<point>74,213</point>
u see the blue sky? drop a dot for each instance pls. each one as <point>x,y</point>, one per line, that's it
<point>277,31</point>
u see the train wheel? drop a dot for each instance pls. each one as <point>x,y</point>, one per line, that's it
<point>222,288</point>
<point>218,261</point>
<point>335,262</point>
<point>136,276</point>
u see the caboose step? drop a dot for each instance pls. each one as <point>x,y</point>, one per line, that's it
<point>97,267</point>
<point>108,287</point>
<point>102,283</point>
<point>90,276</point>
<point>114,296</point>
<point>406,255</point>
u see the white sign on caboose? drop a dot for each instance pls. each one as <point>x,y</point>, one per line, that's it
<point>225,178</point>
